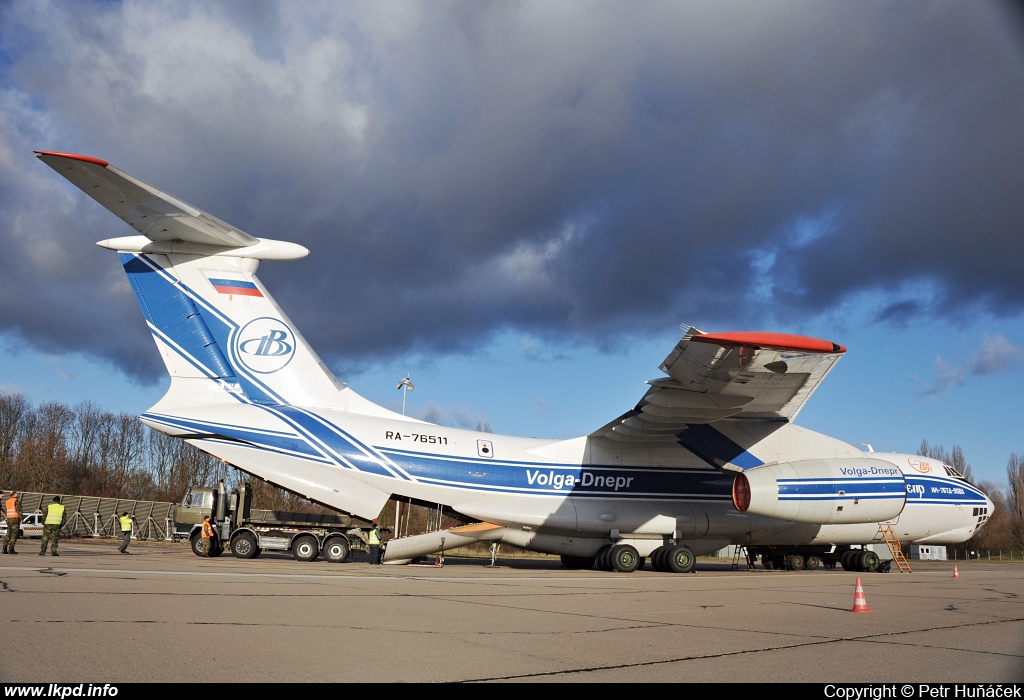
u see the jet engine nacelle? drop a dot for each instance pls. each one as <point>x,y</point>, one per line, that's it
<point>827,491</point>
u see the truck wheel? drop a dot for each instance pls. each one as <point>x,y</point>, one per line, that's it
<point>812,562</point>
<point>680,559</point>
<point>304,548</point>
<point>244,546</point>
<point>624,558</point>
<point>197,545</point>
<point>336,549</point>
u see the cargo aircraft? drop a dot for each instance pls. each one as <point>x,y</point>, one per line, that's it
<point>708,457</point>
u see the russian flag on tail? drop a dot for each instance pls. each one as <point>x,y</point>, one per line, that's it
<point>240,287</point>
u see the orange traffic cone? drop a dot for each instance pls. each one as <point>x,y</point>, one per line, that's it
<point>956,572</point>
<point>860,603</point>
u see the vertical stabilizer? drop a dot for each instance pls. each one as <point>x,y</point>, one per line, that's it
<point>213,319</point>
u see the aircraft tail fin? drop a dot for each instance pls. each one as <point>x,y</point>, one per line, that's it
<point>195,278</point>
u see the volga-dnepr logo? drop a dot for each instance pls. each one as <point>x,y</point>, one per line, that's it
<point>265,345</point>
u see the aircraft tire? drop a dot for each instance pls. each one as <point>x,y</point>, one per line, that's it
<point>624,558</point>
<point>868,561</point>
<point>336,549</point>
<point>244,545</point>
<point>305,548</point>
<point>643,560</point>
<point>604,562</point>
<point>680,559</point>
<point>812,562</point>
<point>846,560</point>
<point>658,559</point>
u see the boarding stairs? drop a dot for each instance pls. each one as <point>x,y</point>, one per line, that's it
<point>893,542</point>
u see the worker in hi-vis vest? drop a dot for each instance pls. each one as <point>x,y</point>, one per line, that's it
<point>12,511</point>
<point>51,526</point>
<point>206,546</point>
<point>373,540</point>
<point>126,532</point>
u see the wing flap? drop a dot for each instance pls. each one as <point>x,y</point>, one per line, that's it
<point>155,214</point>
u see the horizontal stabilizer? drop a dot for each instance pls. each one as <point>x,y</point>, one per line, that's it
<point>156,215</point>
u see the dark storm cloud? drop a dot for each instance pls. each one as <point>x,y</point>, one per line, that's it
<point>578,171</point>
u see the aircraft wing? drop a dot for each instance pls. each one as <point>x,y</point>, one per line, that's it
<point>156,215</point>
<point>717,376</point>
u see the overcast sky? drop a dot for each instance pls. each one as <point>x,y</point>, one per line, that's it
<point>569,178</point>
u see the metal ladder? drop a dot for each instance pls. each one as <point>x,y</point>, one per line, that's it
<point>740,554</point>
<point>893,542</point>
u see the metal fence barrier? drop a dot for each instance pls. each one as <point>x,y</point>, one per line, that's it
<point>91,516</point>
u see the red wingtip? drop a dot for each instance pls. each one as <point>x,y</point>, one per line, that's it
<point>74,156</point>
<point>781,341</point>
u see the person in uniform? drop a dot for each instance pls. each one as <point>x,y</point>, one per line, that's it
<point>206,546</point>
<point>55,517</point>
<point>126,532</point>
<point>373,541</point>
<point>12,511</point>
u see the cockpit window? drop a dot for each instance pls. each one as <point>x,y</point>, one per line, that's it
<point>950,471</point>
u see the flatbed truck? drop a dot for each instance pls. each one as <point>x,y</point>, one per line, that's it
<point>247,533</point>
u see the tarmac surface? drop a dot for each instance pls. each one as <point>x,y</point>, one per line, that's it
<point>162,614</point>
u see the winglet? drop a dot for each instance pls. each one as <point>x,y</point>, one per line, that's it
<point>73,156</point>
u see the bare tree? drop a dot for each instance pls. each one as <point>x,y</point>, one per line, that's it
<point>954,459</point>
<point>13,408</point>
<point>1015,498</point>
<point>42,446</point>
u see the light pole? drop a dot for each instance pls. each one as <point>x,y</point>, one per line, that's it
<point>407,385</point>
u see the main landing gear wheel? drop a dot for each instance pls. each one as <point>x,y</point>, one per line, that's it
<point>846,560</point>
<point>304,548</point>
<point>244,546</point>
<point>577,563</point>
<point>336,549</point>
<point>604,561</point>
<point>868,560</point>
<point>658,559</point>
<point>624,558</point>
<point>680,559</point>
